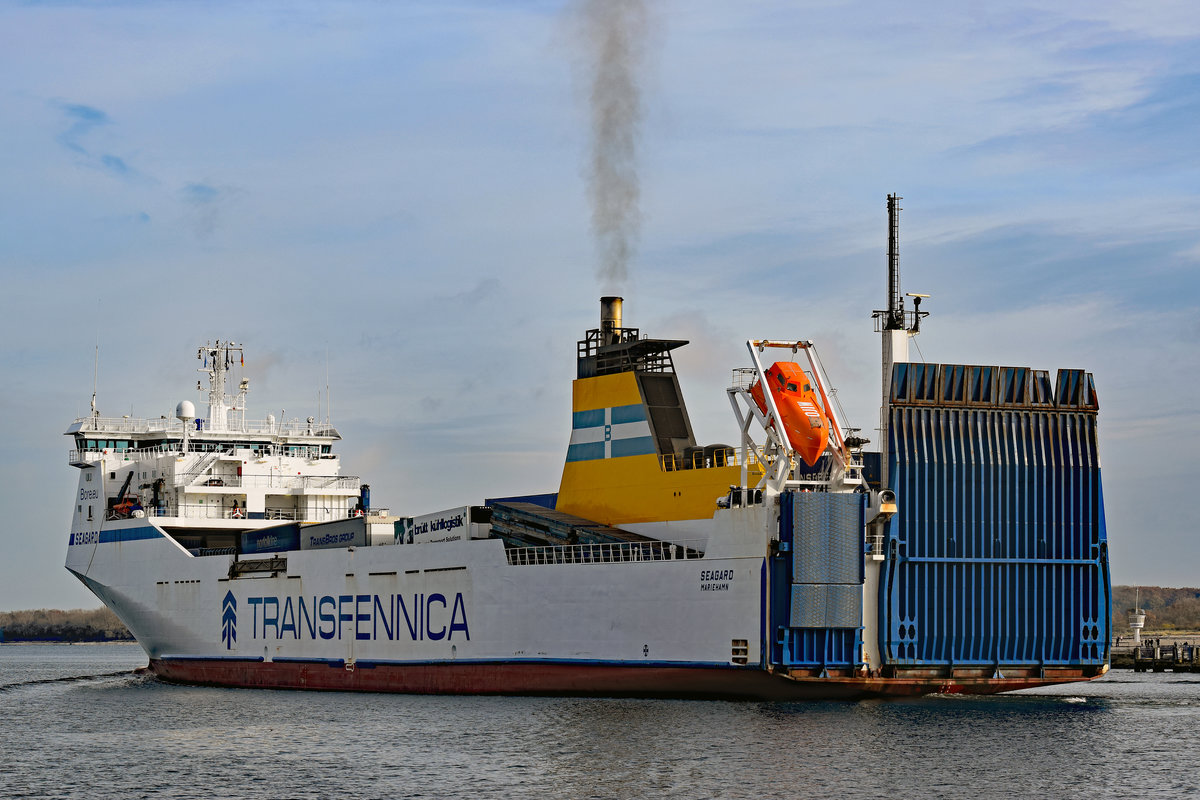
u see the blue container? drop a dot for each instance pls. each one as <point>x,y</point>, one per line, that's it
<point>276,539</point>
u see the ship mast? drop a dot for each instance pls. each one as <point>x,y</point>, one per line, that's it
<point>896,325</point>
<point>895,310</point>
<point>218,359</point>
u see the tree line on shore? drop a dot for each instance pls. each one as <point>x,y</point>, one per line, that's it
<point>1166,610</point>
<point>53,625</point>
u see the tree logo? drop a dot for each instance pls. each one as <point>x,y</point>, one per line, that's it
<point>229,620</point>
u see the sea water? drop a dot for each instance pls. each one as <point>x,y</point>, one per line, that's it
<point>75,722</point>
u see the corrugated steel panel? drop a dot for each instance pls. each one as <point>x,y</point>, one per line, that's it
<point>998,553</point>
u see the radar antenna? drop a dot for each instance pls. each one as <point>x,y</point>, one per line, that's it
<point>95,381</point>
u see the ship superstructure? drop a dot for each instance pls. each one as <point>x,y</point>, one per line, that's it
<point>203,479</point>
<point>968,555</point>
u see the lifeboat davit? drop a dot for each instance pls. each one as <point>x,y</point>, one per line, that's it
<point>805,423</point>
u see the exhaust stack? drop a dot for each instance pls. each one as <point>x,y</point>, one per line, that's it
<point>610,320</point>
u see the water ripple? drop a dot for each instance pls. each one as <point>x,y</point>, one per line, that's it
<point>104,734</point>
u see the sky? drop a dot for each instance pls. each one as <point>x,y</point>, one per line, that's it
<point>393,199</point>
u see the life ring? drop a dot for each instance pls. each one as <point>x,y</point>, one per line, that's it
<point>237,513</point>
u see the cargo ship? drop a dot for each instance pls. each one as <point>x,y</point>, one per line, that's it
<point>967,554</point>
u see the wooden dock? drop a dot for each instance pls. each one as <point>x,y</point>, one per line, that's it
<point>1151,656</point>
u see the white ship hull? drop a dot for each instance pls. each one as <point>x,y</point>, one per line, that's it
<point>452,604</point>
<point>238,554</point>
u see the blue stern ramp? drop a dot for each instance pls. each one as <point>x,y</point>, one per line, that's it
<point>996,563</point>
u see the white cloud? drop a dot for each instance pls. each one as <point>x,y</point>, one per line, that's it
<point>394,164</point>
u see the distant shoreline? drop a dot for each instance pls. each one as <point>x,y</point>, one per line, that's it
<point>52,626</point>
<point>31,642</point>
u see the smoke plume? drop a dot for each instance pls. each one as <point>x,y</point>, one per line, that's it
<point>613,34</point>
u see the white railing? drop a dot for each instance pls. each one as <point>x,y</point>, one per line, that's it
<point>129,425</point>
<point>88,455</point>
<point>258,427</point>
<point>191,511</point>
<point>350,483</point>
<point>214,511</point>
<point>334,482</point>
<point>601,553</point>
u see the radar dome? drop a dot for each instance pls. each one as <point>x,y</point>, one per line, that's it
<point>185,410</point>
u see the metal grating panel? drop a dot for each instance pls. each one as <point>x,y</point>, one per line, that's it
<point>808,605</point>
<point>827,530</point>
<point>826,605</point>
<point>843,605</point>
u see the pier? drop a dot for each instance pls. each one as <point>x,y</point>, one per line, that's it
<point>1154,656</point>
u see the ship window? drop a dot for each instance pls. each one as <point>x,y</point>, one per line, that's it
<point>112,476</point>
<point>808,387</point>
<point>326,448</point>
<point>791,387</point>
<point>91,443</point>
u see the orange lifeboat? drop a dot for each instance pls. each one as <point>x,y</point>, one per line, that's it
<point>805,423</point>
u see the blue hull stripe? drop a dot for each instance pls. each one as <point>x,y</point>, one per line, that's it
<point>591,662</point>
<point>122,535</point>
<point>129,535</point>
<point>224,659</point>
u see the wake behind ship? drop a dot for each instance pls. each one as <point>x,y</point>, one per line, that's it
<point>968,555</point>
